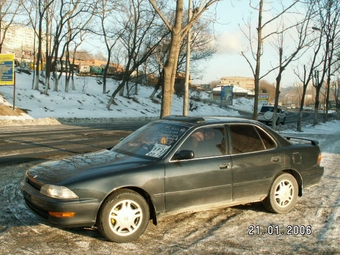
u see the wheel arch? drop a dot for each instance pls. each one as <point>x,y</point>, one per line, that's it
<point>141,192</point>
<point>297,177</point>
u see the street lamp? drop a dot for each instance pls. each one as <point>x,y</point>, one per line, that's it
<point>187,67</point>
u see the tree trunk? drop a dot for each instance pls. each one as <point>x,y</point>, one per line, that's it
<point>302,103</point>
<point>170,68</point>
<point>158,85</point>
<point>258,62</point>
<point>277,95</point>
<point>316,106</point>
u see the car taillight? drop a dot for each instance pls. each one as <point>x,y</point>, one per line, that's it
<point>319,158</point>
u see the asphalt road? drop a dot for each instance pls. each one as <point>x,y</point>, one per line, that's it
<point>19,144</point>
<point>28,143</point>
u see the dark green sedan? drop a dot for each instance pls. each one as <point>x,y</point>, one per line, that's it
<point>171,165</point>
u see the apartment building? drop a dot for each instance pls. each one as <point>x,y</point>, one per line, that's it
<point>20,41</point>
<point>243,82</point>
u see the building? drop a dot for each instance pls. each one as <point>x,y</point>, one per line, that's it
<point>20,41</point>
<point>237,92</point>
<point>242,82</point>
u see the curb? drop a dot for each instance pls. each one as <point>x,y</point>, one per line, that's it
<point>104,120</point>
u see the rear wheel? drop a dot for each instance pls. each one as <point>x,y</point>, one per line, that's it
<point>283,193</point>
<point>123,217</point>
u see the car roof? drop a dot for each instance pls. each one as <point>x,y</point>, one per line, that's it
<point>200,120</point>
<point>196,121</point>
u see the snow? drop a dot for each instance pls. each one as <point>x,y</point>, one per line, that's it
<point>88,101</point>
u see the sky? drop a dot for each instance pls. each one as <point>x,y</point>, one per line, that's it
<point>88,101</point>
<point>231,41</point>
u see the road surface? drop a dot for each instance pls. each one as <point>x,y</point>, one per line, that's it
<point>27,143</point>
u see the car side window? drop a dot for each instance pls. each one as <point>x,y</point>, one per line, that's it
<point>268,142</point>
<point>245,138</point>
<point>206,142</point>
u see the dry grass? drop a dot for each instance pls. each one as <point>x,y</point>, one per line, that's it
<point>6,110</point>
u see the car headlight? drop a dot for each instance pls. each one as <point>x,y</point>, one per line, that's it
<point>60,192</point>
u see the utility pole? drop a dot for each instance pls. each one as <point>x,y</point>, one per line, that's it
<point>187,67</point>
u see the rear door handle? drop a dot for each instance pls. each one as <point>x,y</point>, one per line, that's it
<point>276,159</point>
<point>224,166</point>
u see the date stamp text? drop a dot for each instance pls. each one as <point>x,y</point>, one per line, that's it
<point>280,230</point>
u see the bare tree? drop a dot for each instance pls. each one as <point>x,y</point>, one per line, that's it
<point>141,37</point>
<point>260,38</point>
<point>77,28</point>
<point>327,21</point>
<point>200,48</point>
<point>285,59</point>
<point>307,75</point>
<point>330,20</point>
<point>65,12</point>
<point>37,10</point>
<point>336,93</point>
<point>178,31</point>
<point>106,13</point>
<point>9,10</point>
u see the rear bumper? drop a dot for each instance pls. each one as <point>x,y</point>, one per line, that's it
<point>312,176</point>
<point>85,209</point>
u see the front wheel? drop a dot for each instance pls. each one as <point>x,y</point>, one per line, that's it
<point>123,217</point>
<point>283,193</point>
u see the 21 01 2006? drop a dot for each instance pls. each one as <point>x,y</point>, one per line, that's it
<point>280,230</point>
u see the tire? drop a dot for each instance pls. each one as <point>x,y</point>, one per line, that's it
<point>283,194</point>
<point>123,217</point>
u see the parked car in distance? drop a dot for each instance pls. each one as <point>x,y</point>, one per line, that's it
<point>171,165</point>
<point>266,115</point>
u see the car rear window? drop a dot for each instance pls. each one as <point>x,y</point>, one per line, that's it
<point>248,138</point>
<point>267,109</point>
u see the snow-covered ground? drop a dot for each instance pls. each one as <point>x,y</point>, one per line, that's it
<point>88,101</point>
<point>220,231</point>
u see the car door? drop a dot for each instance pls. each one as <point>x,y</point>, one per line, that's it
<point>204,179</point>
<point>255,160</point>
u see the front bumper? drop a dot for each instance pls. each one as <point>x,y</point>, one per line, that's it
<point>85,209</point>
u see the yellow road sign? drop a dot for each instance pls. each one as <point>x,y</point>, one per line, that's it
<point>6,69</point>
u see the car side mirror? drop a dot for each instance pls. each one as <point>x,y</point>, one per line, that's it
<point>183,154</point>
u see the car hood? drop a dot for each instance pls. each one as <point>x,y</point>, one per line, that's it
<point>84,166</point>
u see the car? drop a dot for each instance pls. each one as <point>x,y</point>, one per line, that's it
<point>266,115</point>
<point>172,165</point>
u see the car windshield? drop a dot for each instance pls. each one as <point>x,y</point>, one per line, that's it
<point>153,140</point>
